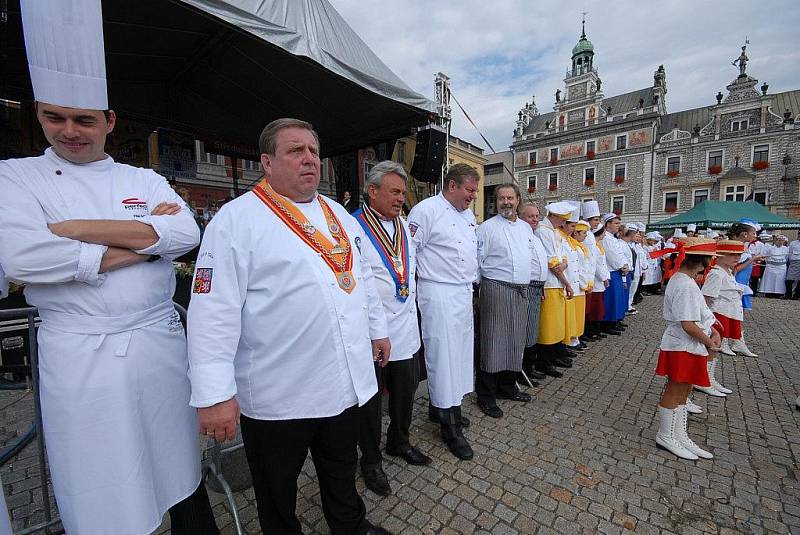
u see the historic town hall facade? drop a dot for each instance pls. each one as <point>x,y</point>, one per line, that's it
<point>636,159</point>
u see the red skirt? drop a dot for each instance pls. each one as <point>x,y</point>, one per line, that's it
<point>595,306</point>
<point>731,328</point>
<point>683,367</point>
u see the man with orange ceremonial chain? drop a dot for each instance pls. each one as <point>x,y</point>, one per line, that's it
<point>387,246</point>
<point>282,314</point>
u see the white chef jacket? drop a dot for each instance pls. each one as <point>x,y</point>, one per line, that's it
<point>721,286</point>
<point>401,317</point>
<point>794,251</point>
<point>653,274</point>
<point>539,269</point>
<point>600,273</point>
<point>274,328</point>
<point>122,440</point>
<point>574,265</point>
<point>505,249</point>
<point>453,258</point>
<point>683,301</point>
<point>617,252</point>
<point>553,243</point>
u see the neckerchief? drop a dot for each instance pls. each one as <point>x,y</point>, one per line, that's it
<point>392,250</point>
<point>338,256</point>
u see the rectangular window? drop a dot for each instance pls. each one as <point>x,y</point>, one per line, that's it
<point>673,165</point>
<point>735,193</point>
<point>715,159</point>
<point>622,142</point>
<point>532,158</point>
<point>588,174</point>
<point>554,154</point>
<point>590,148</point>
<point>700,195</point>
<point>618,204</point>
<point>739,125</point>
<point>552,181</point>
<point>671,201</point>
<point>761,153</point>
<point>532,183</point>
<point>761,197</point>
<point>619,172</point>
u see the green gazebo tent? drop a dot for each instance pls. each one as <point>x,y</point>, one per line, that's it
<point>720,215</point>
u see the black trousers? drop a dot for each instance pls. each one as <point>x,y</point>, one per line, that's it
<point>276,451</point>
<point>488,385</point>
<point>401,379</point>
<point>193,515</point>
<point>792,289</point>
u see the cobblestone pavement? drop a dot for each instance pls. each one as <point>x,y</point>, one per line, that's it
<point>581,457</point>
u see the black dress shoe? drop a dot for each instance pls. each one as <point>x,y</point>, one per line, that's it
<point>377,530</point>
<point>410,454</point>
<point>562,362</point>
<point>516,396</point>
<point>615,332</point>
<point>550,370</point>
<point>489,409</point>
<point>433,418</point>
<point>582,344</point>
<point>535,375</point>
<point>376,481</point>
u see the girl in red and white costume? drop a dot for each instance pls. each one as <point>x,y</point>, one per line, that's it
<point>689,342</point>
<point>724,296</point>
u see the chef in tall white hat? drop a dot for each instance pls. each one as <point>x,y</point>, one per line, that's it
<point>691,230</point>
<point>590,212</point>
<point>93,242</point>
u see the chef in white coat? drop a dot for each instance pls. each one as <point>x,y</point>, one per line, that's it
<point>387,245</point>
<point>444,233</point>
<point>92,240</point>
<point>284,325</point>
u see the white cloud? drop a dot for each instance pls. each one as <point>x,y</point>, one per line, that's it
<point>500,52</point>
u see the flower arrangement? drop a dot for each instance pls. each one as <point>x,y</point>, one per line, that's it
<point>714,170</point>
<point>619,179</point>
<point>553,161</point>
<point>589,182</point>
<point>760,165</point>
<point>590,155</point>
<point>673,174</point>
<point>552,187</point>
<point>531,189</point>
<point>617,211</point>
<point>671,209</point>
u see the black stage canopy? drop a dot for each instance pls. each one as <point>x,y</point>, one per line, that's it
<point>222,69</point>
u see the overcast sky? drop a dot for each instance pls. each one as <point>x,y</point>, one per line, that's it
<point>500,52</point>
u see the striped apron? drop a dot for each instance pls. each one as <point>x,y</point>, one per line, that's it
<point>503,326</point>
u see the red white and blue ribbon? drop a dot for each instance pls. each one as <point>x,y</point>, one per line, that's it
<point>393,250</point>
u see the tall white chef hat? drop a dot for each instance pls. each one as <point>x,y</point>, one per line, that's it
<point>575,215</point>
<point>678,233</point>
<point>590,209</point>
<point>641,227</point>
<point>653,235</point>
<point>691,227</point>
<point>561,209</point>
<point>66,55</point>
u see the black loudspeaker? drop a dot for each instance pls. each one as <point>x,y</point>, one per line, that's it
<point>429,156</point>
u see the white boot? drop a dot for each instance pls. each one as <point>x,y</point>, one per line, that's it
<point>712,371</point>
<point>725,348</point>
<point>692,407</point>
<point>668,423</point>
<point>740,347</point>
<point>683,436</point>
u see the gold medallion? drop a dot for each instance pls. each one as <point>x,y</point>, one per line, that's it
<point>346,281</point>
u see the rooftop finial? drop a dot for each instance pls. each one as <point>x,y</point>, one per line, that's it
<point>583,24</point>
<point>742,60</point>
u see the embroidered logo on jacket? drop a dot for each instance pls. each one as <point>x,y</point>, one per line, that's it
<point>202,280</point>
<point>413,228</point>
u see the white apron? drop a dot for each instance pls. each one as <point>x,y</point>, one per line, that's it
<point>774,279</point>
<point>124,450</point>
<point>448,337</point>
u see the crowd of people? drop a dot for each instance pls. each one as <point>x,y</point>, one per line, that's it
<point>303,316</point>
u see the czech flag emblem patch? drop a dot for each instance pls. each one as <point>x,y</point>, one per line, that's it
<point>202,280</point>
